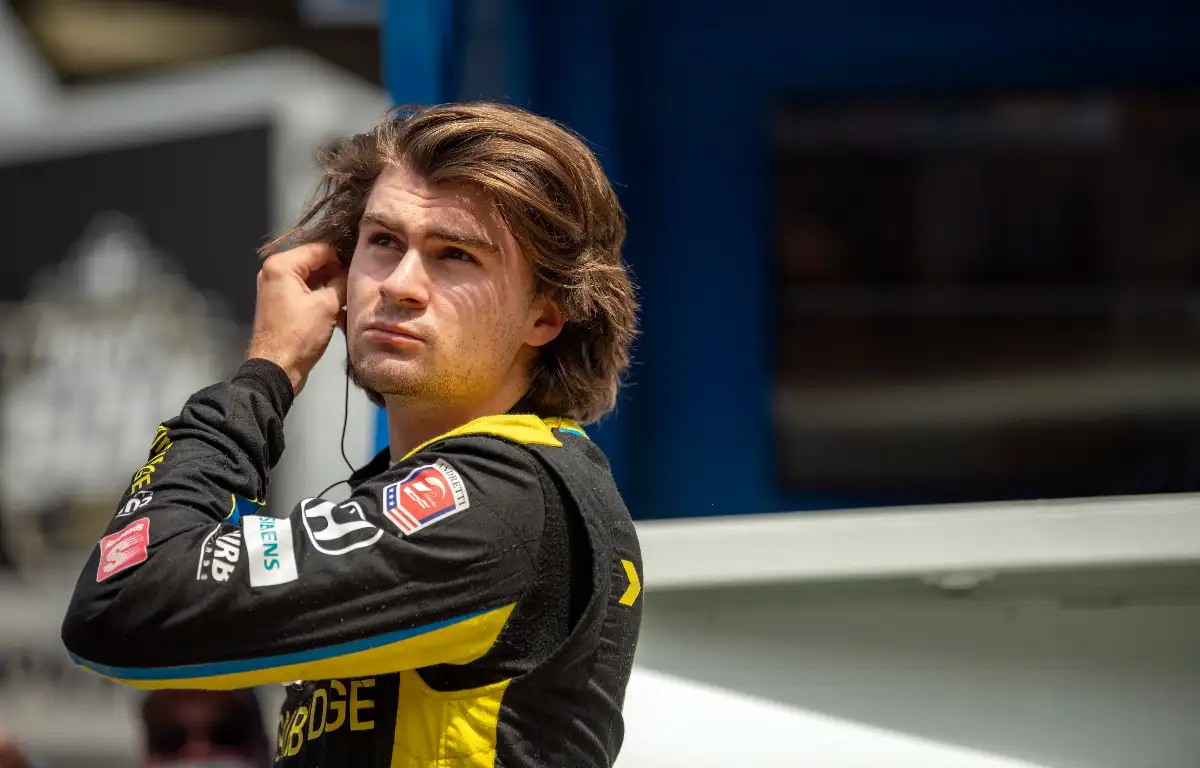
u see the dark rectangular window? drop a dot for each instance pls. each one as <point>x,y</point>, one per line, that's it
<point>989,299</point>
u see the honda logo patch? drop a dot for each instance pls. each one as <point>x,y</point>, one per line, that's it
<point>336,529</point>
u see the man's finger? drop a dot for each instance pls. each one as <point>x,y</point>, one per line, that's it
<point>337,284</point>
<point>304,260</point>
<point>333,293</point>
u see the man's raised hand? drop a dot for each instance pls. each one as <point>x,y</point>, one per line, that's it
<point>301,294</point>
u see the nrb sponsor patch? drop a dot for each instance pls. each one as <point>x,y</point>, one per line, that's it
<point>124,549</point>
<point>272,559</point>
<point>430,493</point>
<point>219,555</point>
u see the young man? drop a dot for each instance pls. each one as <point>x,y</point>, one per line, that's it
<point>475,602</point>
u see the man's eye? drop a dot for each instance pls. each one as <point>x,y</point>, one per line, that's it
<point>458,254</point>
<point>382,239</point>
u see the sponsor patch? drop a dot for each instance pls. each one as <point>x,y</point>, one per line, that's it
<point>136,502</point>
<point>124,549</point>
<point>269,549</point>
<point>206,550</point>
<point>336,529</point>
<point>430,493</point>
<point>219,555</point>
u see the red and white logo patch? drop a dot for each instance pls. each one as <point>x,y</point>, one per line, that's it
<point>430,493</point>
<point>124,549</point>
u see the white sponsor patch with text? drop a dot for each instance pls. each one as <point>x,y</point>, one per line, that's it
<point>269,550</point>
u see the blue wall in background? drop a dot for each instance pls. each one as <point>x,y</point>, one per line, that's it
<point>675,96</point>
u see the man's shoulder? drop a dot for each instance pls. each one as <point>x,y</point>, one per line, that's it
<point>489,464</point>
<point>509,461</point>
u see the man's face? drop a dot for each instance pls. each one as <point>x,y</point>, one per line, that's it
<point>440,302</point>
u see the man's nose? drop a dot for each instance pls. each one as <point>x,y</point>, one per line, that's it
<point>409,282</point>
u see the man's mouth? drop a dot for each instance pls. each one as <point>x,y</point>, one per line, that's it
<point>395,334</point>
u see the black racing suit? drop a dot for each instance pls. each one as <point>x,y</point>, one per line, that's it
<point>475,604</point>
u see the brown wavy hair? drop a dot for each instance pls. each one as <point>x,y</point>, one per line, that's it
<point>552,195</point>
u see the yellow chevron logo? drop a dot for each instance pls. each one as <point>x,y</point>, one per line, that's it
<point>635,584</point>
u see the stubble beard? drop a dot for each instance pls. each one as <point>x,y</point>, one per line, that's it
<point>417,383</point>
<point>370,372</point>
<point>427,382</point>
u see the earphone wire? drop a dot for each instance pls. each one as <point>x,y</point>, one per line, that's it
<point>345,421</point>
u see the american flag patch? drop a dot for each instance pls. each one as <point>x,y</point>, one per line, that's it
<point>429,493</point>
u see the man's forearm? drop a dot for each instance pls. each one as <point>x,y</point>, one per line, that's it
<point>190,590</point>
<point>207,466</point>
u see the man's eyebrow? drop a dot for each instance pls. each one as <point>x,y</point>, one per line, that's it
<point>470,242</point>
<point>454,237</point>
<point>381,219</point>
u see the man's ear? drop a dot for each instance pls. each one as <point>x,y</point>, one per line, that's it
<point>547,322</point>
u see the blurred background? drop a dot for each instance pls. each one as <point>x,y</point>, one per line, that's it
<point>913,431</point>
